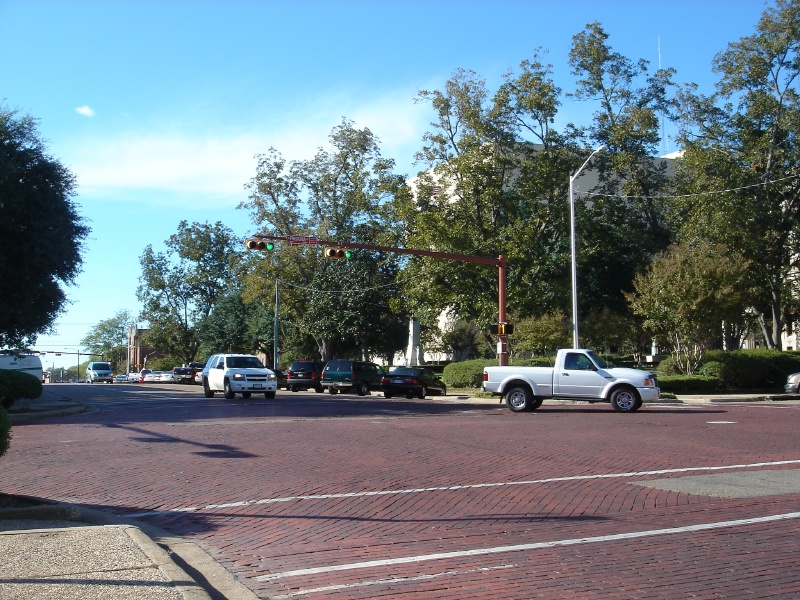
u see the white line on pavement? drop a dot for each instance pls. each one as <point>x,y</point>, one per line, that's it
<point>458,487</point>
<point>331,588</point>
<point>519,547</point>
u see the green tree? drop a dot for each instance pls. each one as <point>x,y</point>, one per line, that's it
<point>741,142</point>
<point>345,193</point>
<point>687,294</point>
<point>41,231</point>
<point>180,287</point>
<point>109,338</point>
<point>495,184</point>
<point>540,335</point>
<point>622,224</point>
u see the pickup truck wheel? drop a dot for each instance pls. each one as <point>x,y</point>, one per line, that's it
<point>331,390</point>
<point>363,389</point>
<point>625,400</point>
<point>229,393</point>
<point>422,393</point>
<point>207,391</point>
<point>518,399</point>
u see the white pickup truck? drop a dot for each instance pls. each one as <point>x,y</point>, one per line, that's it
<point>577,375</point>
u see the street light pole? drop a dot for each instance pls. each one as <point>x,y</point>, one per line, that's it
<point>572,179</point>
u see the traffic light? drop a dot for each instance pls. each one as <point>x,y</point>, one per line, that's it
<point>501,329</point>
<point>337,253</point>
<point>258,244</point>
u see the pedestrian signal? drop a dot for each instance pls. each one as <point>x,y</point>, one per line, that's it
<point>501,329</point>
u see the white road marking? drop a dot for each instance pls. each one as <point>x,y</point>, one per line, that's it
<point>520,547</point>
<point>457,487</point>
<point>344,586</point>
<point>721,422</point>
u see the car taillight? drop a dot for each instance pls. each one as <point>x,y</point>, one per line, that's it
<point>385,381</point>
<point>289,375</point>
<point>313,376</point>
<point>485,376</point>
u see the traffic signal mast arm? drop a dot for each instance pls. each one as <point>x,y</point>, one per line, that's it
<point>499,262</point>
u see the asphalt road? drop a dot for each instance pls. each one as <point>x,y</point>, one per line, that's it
<point>318,496</point>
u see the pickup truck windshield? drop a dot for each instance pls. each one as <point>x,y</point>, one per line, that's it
<point>601,364</point>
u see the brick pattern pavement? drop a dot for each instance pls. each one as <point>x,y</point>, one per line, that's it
<point>266,458</point>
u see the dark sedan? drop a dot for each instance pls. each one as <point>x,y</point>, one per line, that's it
<point>412,381</point>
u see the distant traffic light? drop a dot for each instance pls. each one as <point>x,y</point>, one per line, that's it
<point>258,244</point>
<point>337,253</point>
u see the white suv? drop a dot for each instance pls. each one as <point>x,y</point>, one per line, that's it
<point>238,373</point>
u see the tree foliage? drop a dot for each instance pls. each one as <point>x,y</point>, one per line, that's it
<point>180,287</point>
<point>687,294</point>
<point>109,338</point>
<point>743,139</point>
<point>41,231</point>
<point>345,194</point>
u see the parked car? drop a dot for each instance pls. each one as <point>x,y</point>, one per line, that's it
<point>144,373</point>
<point>792,384</point>
<point>133,377</point>
<point>166,377</point>
<point>197,368</point>
<point>304,375</point>
<point>121,378</point>
<point>351,375</point>
<point>150,377</point>
<point>412,381</point>
<point>99,371</point>
<point>238,373</point>
<point>183,375</point>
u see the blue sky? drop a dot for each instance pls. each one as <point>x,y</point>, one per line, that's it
<point>158,108</point>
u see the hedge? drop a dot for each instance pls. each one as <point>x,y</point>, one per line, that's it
<point>17,384</point>
<point>742,369</point>
<point>687,383</point>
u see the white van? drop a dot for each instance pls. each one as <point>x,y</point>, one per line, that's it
<point>99,371</point>
<point>20,361</point>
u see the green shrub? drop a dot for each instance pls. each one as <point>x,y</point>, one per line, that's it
<point>5,431</point>
<point>667,367</point>
<point>17,384</point>
<point>466,374</point>
<point>688,383</point>
<point>751,369</point>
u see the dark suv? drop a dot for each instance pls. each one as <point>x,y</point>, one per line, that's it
<point>304,375</point>
<point>351,375</point>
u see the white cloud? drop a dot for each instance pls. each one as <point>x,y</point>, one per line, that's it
<point>166,164</point>
<point>85,110</point>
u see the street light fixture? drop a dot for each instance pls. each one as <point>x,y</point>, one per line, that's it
<point>572,179</point>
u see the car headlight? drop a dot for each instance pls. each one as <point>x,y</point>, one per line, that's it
<point>238,376</point>
<point>272,377</point>
<point>794,378</point>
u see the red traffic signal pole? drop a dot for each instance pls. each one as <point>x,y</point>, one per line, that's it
<point>499,262</point>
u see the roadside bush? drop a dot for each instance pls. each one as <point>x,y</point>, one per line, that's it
<point>750,369</point>
<point>5,431</point>
<point>667,367</point>
<point>688,383</point>
<point>15,385</point>
<point>467,373</point>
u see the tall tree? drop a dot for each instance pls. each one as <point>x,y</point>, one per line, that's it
<point>180,287</point>
<point>109,338</point>
<point>41,230</point>
<point>495,185</point>
<point>622,224</point>
<point>742,142</point>
<point>345,194</point>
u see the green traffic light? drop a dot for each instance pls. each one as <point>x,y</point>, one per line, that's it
<point>270,246</point>
<point>348,254</point>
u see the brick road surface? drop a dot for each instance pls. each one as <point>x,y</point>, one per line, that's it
<point>310,496</point>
